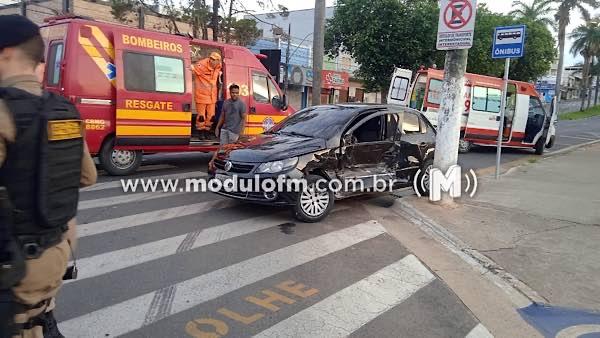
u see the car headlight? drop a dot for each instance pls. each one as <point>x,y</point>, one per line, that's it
<point>277,166</point>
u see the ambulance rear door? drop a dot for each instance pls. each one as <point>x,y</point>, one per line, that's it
<point>153,100</point>
<point>399,87</point>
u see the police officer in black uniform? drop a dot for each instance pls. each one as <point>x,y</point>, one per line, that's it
<point>44,161</point>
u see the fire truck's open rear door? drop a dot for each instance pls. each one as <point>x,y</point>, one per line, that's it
<point>153,101</point>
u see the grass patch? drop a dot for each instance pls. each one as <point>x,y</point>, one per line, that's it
<point>532,160</point>
<point>594,111</point>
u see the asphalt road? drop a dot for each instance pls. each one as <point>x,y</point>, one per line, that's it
<point>188,264</point>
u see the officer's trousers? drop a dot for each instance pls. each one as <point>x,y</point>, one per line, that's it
<point>36,292</point>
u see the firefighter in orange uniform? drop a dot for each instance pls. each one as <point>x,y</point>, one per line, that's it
<point>206,73</point>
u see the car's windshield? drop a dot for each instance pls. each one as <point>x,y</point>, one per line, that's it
<point>319,122</point>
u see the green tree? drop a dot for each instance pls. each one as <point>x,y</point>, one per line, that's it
<point>381,34</point>
<point>539,48</point>
<point>244,31</point>
<point>537,11</point>
<point>587,43</point>
<point>387,42</point>
<point>563,16</point>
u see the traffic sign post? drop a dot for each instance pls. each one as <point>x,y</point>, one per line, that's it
<point>456,24</point>
<point>509,42</point>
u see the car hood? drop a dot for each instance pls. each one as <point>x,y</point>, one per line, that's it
<point>271,147</point>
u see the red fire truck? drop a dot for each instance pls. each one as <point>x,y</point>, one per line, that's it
<point>134,88</point>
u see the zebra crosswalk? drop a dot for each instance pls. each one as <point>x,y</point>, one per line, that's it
<point>200,265</point>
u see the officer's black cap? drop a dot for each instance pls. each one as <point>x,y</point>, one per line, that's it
<point>21,30</point>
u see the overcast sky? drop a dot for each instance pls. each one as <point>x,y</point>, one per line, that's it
<point>501,6</point>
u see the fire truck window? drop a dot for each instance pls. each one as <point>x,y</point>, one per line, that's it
<point>153,73</point>
<point>399,88</point>
<point>435,91</point>
<point>139,72</point>
<point>260,88</point>
<point>272,90</point>
<point>168,73</point>
<point>56,53</point>
<point>486,99</point>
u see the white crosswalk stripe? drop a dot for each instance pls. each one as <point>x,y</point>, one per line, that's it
<point>349,309</point>
<point>126,198</point>
<point>130,221</point>
<point>119,259</point>
<point>338,314</point>
<point>130,315</point>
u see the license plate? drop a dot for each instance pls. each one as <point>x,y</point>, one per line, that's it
<point>221,177</point>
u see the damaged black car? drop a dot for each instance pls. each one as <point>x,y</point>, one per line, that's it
<point>325,153</point>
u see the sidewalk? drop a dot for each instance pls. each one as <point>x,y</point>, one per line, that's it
<point>540,222</point>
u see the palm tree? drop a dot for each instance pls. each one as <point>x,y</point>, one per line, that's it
<point>587,43</point>
<point>563,17</point>
<point>536,12</point>
<point>596,72</point>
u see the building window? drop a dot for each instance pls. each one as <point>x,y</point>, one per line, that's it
<point>153,73</point>
<point>55,59</point>
<point>486,99</point>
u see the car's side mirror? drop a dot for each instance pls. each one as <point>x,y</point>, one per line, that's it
<point>276,102</point>
<point>349,139</point>
<point>279,103</point>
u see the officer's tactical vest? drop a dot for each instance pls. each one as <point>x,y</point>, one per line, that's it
<point>43,166</point>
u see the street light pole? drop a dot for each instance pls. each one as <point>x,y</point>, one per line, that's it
<point>318,51</point>
<point>287,60</point>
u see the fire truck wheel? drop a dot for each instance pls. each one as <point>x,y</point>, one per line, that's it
<point>539,146</point>
<point>464,146</point>
<point>119,162</point>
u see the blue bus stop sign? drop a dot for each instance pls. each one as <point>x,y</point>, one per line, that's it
<point>509,42</point>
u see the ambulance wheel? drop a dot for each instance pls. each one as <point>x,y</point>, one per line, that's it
<point>539,146</point>
<point>313,205</point>
<point>464,146</point>
<point>119,162</point>
<point>551,143</point>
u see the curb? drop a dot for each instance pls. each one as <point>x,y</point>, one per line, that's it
<point>519,162</point>
<point>570,148</point>
<point>518,292</point>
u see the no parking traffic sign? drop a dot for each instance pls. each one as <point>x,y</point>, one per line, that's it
<point>456,24</point>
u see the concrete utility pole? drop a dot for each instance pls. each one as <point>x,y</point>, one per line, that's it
<point>449,113</point>
<point>215,19</point>
<point>318,51</point>
<point>141,21</point>
<point>23,7</point>
<point>287,60</point>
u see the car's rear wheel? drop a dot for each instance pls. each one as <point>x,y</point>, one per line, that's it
<point>314,202</point>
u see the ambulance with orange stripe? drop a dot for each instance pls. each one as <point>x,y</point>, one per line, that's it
<point>134,88</point>
<point>527,124</point>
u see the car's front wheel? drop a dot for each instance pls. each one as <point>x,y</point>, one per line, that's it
<point>315,201</point>
<point>422,180</point>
